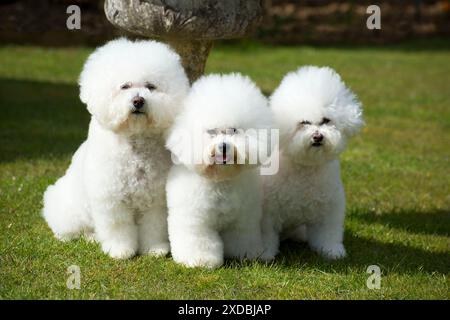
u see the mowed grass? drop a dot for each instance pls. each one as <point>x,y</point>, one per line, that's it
<point>396,175</point>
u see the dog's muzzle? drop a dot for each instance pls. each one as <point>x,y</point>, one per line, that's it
<point>317,139</point>
<point>223,153</point>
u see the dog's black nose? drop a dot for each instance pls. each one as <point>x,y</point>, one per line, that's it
<point>138,102</point>
<point>317,137</point>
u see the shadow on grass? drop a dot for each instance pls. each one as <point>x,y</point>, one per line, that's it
<point>40,120</point>
<point>362,252</point>
<point>433,223</point>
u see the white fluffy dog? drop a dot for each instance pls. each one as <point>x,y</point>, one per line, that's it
<point>114,188</point>
<point>316,114</point>
<point>214,195</point>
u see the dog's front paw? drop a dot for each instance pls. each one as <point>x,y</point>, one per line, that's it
<point>65,237</point>
<point>267,256</point>
<point>207,261</point>
<point>157,250</point>
<point>90,237</point>
<point>332,252</point>
<point>211,263</point>
<point>119,251</point>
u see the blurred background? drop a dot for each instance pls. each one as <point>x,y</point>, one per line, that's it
<point>285,22</point>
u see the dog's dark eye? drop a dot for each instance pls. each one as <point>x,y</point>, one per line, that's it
<point>125,86</point>
<point>305,122</point>
<point>232,130</point>
<point>150,86</point>
<point>325,121</point>
<point>211,132</point>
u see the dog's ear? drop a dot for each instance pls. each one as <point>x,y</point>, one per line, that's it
<point>255,145</point>
<point>97,104</point>
<point>350,116</point>
<point>354,120</point>
<point>93,101</point>
<point>346,112</point>
<point>95,90</point>
<point>89,81</point>
<point>179,143</point>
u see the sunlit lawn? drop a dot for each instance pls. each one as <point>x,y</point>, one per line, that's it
<point>397,177</point>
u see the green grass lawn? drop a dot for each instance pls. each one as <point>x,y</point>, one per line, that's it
<point>396,173</point>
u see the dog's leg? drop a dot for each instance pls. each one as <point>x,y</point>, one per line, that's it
<point>153,234</point>
<point>244,240</point>
<point>326,236</point>
<point>116,231</point>
<point>194,244</point>
<point>271,239</point>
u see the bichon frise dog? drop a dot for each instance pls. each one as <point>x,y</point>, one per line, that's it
<point>214,195</point>
<point>114,189</point>
<point>316,114</point>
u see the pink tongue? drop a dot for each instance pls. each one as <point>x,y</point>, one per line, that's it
<point>220,158</point>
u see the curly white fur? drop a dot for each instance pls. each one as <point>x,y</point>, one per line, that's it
<point>215,207</point>
<point>114,188</point>
<point>316,114</point>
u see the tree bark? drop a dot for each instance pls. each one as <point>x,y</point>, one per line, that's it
<point>189,26</point>
<point>194,54</point>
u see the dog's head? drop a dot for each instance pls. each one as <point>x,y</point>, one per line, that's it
<point>316,114</point>
<point>223,127</point>
<point>133,86</point>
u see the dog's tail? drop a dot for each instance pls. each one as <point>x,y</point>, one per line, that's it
<point>63,215</point>
<point>65,209</point>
